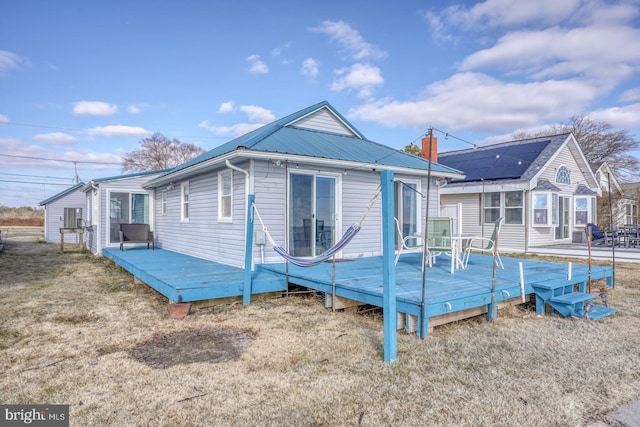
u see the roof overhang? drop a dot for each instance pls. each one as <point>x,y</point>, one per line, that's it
<point>485,187</point>
<point>244,154</point>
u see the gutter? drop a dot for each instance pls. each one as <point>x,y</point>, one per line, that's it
<point>246,193</point>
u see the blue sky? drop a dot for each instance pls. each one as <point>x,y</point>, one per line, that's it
<point>82,82</point>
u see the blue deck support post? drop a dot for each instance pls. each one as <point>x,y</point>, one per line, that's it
<point>248,251</point>
<point>390,316</point>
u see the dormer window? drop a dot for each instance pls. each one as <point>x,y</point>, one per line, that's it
<point>563,176</point>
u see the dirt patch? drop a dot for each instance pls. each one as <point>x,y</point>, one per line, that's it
<point>196,346</point>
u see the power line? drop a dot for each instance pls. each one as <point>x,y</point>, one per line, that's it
<point>92,131</point>
<point>60,160</point>
<point>34,176</point>
<point>36,183</point>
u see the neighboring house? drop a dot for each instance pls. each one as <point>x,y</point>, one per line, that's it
<point>631,191</point>
<point>64,210</point>
<point>624,202</point>
<point>543,187</point>
<point>312,173</point>
<point>112,201</point>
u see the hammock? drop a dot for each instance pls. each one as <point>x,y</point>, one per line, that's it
<point>348,235</point>
<point>310,262</point>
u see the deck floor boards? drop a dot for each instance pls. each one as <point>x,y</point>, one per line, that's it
<point>174,274</point>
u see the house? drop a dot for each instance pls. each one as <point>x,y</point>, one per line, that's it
<point>543,187</point>
<point>631,191</point>
<point>114,200</point>
<point>64,210</point>
<point>622,207</point>
<point>312,173</point>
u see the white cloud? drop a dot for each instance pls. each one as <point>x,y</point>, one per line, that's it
<point>350,39</point>
<point>257,66</point>
<point>94,108</point>
<point>55,138</point>
<point>4,119</point>
<point>227,107</point>
<point>133,109</point>
<point>310,68</point>
<point>9,60</point>
<point>236,130</point>
<point>556,52</point>
<point>277,51</point>
<point>630,95</point>
<point>257,116</point>
<point>512,13</point>
<point>627,117</point>
<point>361,77</point>
<point>474,101</point>
<point>118,130</point>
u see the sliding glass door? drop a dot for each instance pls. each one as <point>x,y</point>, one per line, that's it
<point>125,208</point>
<point>312,214</point>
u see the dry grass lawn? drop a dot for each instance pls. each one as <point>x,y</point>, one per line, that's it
<point>75,329</point>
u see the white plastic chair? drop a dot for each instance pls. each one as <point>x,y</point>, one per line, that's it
<point>484,244</point>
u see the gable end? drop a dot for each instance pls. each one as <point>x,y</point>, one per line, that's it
<point>325,121</point>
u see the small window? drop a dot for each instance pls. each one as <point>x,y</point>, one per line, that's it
<point>585,210</point>
<point>164,202</point>
<point>513,207</point>
<point>563,176</point>
<point>184,191</point>
<point>225,195</point>
<point>541,209</point>
<point>491,207</point>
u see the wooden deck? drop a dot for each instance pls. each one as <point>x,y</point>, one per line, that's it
<point>448,296</point>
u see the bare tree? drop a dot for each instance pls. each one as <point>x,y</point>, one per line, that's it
<point>159,152</point>
<point>599,143</point>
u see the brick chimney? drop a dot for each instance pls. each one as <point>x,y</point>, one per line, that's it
<point>434,148</point>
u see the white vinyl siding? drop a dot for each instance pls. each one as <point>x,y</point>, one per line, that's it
<point>54,216</point>
<point>323,120</point>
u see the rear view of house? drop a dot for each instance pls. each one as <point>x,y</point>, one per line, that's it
<point>312,173</point>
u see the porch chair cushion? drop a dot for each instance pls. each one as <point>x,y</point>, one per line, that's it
<point>136,233</point>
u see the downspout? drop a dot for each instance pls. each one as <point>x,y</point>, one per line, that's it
<point>96,233</point>
<point>246,191</point>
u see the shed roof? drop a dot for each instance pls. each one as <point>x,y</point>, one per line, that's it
<point>63,193</point>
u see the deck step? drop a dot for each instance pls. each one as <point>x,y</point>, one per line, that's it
<point>553,284</point>
<point>572,298</point>
<point>597,312</point>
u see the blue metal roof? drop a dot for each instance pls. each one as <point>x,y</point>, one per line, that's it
<point>510,160</point>
<point>284,137</point>
<point>63,193</point>
<point>130,175</point>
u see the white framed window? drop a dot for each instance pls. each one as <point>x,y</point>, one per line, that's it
<point>491,207</point>
<point>509,205</point>
<point>164,201</point>
<point>225,195</point>
<point>563,176</point>
<point>545,209</point>
<point>584,210</point>
<point>513,207</point>
<point>184,201</point>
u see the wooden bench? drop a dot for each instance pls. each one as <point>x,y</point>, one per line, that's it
<point>136,233</point>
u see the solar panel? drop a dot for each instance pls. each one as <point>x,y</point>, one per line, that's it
<point>499,162</point>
